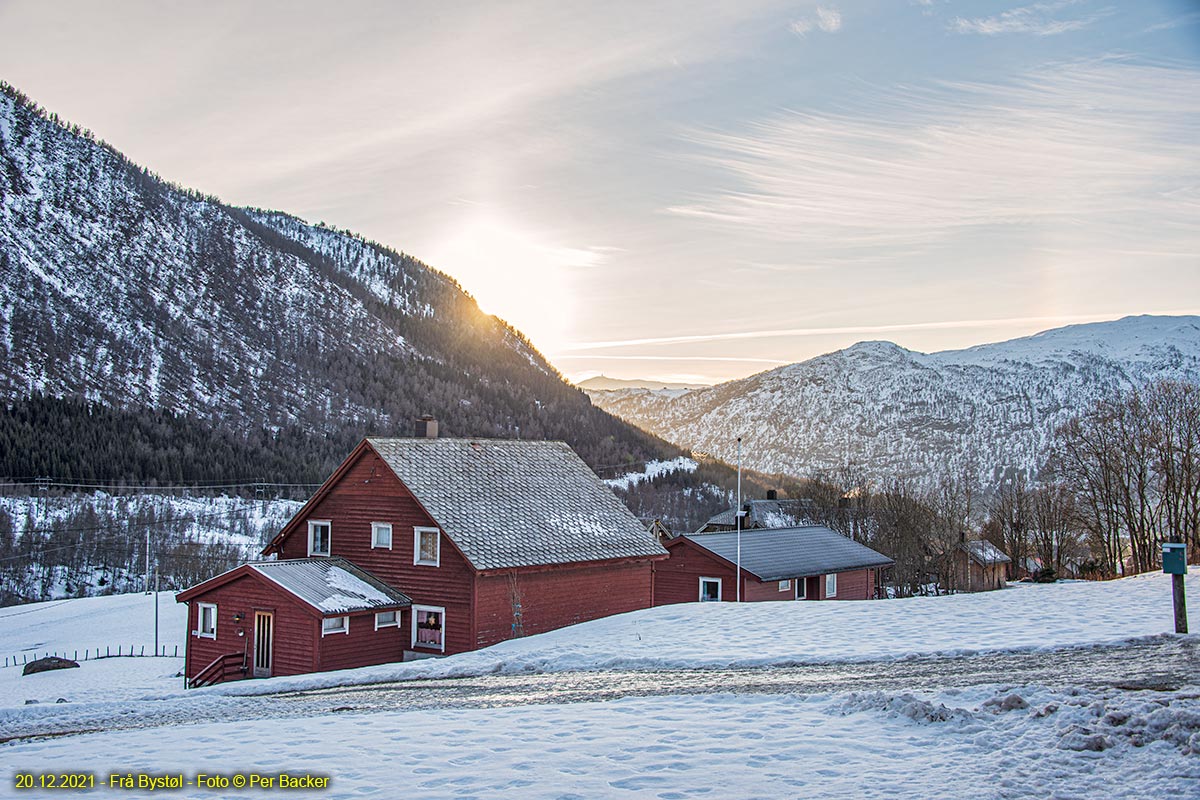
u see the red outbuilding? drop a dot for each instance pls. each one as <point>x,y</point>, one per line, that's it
<point>490,539</point>
<point>810,562</point>
<point>289,617</point>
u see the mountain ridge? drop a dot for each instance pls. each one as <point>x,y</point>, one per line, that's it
<point>879,408</point>
<point>121,289</point>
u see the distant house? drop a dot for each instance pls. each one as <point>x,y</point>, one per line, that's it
<point>769,513</point>
<point>799,563</point>
<point>980,566</point>
<point>485,539</point>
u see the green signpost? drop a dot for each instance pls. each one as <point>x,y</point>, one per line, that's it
<point>1174,559</point>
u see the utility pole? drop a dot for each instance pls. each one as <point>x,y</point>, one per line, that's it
<point>147,581</point>
<point>156,577</point>
<point>738,516</point>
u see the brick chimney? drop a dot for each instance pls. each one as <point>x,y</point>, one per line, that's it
<point>426,428</point>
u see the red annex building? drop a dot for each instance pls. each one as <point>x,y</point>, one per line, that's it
<point>473,541</point>
<point>810,562</point>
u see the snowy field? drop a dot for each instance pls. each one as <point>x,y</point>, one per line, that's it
<point>708,635</point>
<point>70,627</point>
<point>715,635</point>
<point>989,742</point>
<point>995,741</point>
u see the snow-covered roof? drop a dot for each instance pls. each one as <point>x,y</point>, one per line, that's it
<point>985,553</point>
<point>780,553</point>
<point>331,585</point>
<point>512,503</point>
<point>767,514</point>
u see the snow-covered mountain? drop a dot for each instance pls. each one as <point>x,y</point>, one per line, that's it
<point>895,412</point>
<point>119,288</point>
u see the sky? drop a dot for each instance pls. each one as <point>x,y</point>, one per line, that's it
<point>690,191</point>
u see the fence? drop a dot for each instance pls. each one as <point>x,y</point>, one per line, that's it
<point>166,651</point>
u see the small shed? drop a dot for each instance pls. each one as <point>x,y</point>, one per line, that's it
<point>809,562</point>
<point>290,617</point>
<point>980,566</point>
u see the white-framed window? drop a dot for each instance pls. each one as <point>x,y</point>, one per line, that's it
<point>318,536</point>
<point>785,586</point>
<point>387,619</point>
<point>331,625</point>
<point>831,585</point>
<point>429,627</point>
<point>206,620</point>
<point>801,588</point>
<point>710,590</point>
<point>381,535</point>
<point>427,548</point>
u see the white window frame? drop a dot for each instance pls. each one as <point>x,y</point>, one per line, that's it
<point>831,585</point>
<point>375,528</point>
<point>200,609</point>
<point>785,586</point>
<point>801,588</point>
<point>344,629</point>
<point>393,624</point>
<point>312,523</point>
<point>425,645</point>
<point>720,589</point>
<point>437,534</point>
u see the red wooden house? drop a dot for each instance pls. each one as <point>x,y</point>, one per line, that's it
<point>803,563</point>
<point>490,539</point>
<point>290,617</point>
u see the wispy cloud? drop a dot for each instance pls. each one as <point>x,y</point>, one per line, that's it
<point>1039,19</point>
<point>958,324</point>
<point>828,20</point>
<point>1178,22</point>
<point>1076,146</point>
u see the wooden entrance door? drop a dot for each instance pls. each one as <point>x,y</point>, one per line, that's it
<point>264,637</point>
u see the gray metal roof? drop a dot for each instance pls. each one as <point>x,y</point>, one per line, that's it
<point>512,503</point>
<point>767,514</point>
<point>985,553</point>
<point>331,585</point>
<point>781,553</point>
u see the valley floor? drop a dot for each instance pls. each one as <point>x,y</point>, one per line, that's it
<point>1079,694</point>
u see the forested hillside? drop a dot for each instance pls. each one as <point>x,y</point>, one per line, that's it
<point>220,339</point>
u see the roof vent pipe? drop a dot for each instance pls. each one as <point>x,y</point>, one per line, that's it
<point>426,428</point>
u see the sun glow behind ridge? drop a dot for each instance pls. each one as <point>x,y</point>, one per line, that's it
<point>516,274</point>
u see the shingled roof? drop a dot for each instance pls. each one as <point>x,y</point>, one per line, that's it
<point>781,553</point>
<point>514,503</point>
<point>765,514</point>
<point>331,585</point>
<point>985,553</point>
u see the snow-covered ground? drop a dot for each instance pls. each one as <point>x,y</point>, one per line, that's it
<point>120,623</point>
<point>988,742</point>
<point>993,741</point>
<point>715,635</point>
<point>699,635</point>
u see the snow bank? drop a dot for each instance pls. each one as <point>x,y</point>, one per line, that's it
<point>717,635</point>
<point>103,680</point>
<point>1070,744</point>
